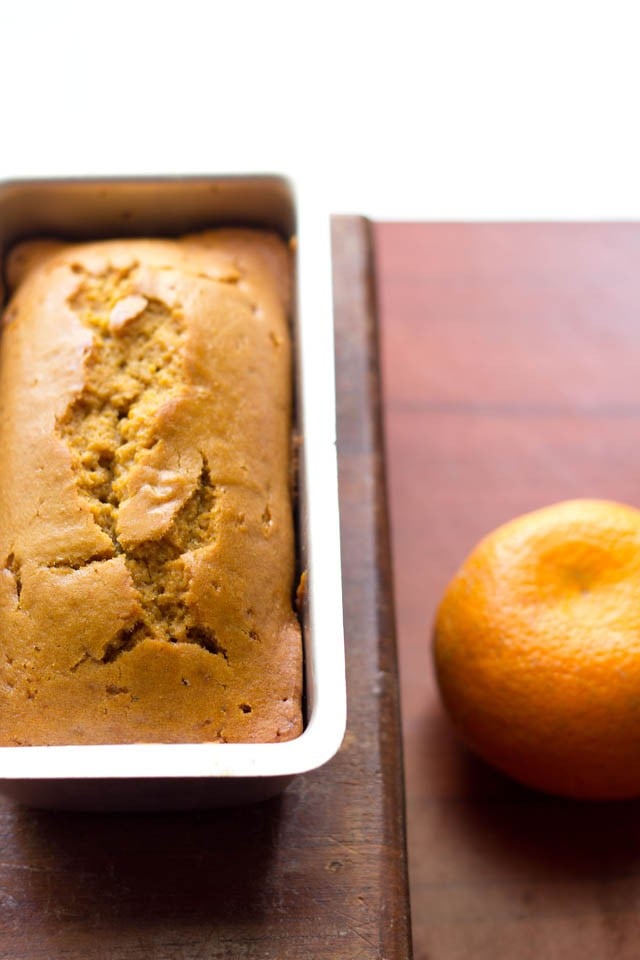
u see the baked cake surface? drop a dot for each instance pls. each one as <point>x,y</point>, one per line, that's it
<point>146,535</point>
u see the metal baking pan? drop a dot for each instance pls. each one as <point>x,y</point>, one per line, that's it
<point>181,776</point>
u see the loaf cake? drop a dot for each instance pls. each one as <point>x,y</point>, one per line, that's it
<point>146,533</point>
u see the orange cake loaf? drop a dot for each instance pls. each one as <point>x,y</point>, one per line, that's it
<point>146,532</point>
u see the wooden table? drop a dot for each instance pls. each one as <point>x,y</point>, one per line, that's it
<point>510,364</point>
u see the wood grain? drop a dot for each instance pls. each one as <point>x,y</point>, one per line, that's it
<point>510,367</point>
<point>319,872</point>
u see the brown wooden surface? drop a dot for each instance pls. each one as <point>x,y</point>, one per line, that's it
<point>510,365</point>
<point>318,873</point>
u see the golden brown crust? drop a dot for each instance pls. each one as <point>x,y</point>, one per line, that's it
<point>146,539</point>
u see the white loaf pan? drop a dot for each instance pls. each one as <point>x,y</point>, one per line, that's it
<point>181,776</point>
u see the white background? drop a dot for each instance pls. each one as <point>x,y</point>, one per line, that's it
<point>400,110</point>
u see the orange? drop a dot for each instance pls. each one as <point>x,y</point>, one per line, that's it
<point>537,649</point>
